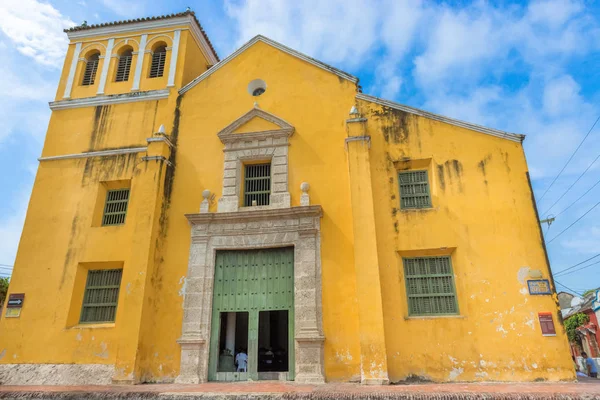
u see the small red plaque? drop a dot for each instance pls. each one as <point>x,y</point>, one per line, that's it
<point>547,324</point>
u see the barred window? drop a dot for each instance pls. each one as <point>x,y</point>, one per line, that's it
<point>414,189</point>
<point>430,286</point>
<point>157,68</point>
<point>101,296</point>
<point>124,66</point>
<point>115,208</point>
<point>91,66</point>
<point>257,184</point>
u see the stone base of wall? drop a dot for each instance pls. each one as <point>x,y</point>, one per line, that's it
<point>56,374</point>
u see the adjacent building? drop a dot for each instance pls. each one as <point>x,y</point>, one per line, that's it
<point>188,211</point>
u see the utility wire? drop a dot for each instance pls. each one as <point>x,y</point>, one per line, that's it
<point>580,197</point>
<point>576,265</point>
<point>573,184</point>
<point>570,158</point>
<point>579,269</point>
<point>577,220</point>
<point>568,288</point>
<point>6,265</point>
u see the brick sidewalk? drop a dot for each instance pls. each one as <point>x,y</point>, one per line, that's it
<point>278,390</point>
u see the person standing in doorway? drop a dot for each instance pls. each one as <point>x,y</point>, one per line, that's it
<point>592,368</point>
<point>241,360</point>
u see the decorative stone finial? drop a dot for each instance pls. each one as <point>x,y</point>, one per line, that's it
<point>304,198</point>
<point>84,23</point>
<point>256,104</point>
<point>205,203</point>
<point>161,129</point>
<point>354,111</point>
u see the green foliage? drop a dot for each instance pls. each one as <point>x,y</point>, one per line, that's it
<point>3,289</point>
<point>589,292</point>
<point>574,322</point>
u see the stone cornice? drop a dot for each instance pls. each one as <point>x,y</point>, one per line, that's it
<point>100,153</point>
<point>256,215</point>
<point>227,136</point>
<point>237,137</point>
<point>110,99</point>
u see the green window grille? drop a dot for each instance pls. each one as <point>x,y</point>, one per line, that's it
<point>257,184</point>
<point>101,296</point>
<point>115,208</point>
<point>124,66</point>
<point>414,189</point>
<point>91,66</point>
<point>430,286</point>
<point>157,68</point>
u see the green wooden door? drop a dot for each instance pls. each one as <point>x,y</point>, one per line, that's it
<point>251,281</point>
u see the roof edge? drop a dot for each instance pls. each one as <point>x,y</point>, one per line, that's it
<point>515,137</point>
<point>187,17</point>
<point>277,45</point>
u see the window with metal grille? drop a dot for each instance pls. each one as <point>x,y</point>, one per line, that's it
<point>414,189</point>
<point>115,208</point>
<point>124,66</point>
<point>257,184</point>
<point>157,68</point>
<point>101,296</point>
<point>430,286</point>
<point>91,66</point>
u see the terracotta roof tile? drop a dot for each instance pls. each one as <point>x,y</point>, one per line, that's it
<point>133,21</point>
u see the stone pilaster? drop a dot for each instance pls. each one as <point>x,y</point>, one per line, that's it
<point>373,357</point>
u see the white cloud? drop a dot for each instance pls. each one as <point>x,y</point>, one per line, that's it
<point>129,9</point>
<point>340,32</point>
<point>585,241</point>
<point>35,28</point>
<point>553,12</point>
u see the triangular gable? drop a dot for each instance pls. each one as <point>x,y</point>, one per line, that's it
<point>256,124</point>
<point>277,45</point>
<point>236,130</point>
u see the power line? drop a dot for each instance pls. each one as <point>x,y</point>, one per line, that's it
<point>568,288</point>
<point>6,265</point>
<point>570,158</point>
<point>580,197</point>
<point>573,184</point>
<point>579,269</point>
<point>573,266</point>
<point>577,220</point>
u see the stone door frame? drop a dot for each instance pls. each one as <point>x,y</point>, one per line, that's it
<point>297,227</point>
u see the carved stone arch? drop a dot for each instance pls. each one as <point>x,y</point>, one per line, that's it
<point>88,49</point>
<point>150,41</point>
<point>134,44</point>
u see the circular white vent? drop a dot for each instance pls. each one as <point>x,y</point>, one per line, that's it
<point>257,87</point>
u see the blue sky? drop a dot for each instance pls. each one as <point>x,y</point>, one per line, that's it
<point>530,68</point>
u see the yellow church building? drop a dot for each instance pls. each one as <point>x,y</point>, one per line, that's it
<point>259,217</point>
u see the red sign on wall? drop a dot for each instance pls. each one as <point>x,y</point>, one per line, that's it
<point>547,324</point>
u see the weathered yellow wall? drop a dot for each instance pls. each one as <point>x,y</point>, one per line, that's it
<point>58,237</point>
<point>317,110</point>
<point>482,216</point>
<point>195,62</point>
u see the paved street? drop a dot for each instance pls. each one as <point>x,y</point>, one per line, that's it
<point>275,390</point>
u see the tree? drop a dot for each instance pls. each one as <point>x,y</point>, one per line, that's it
<point>574,322</point>
<point>589,292</point>
<point>3,289</point>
